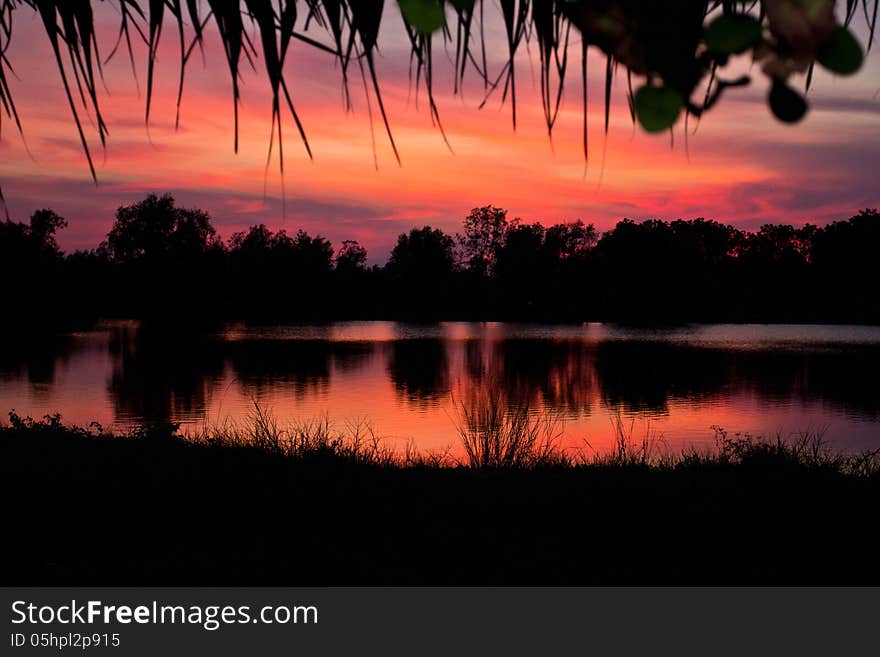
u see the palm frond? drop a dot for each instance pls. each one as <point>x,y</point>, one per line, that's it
<point>664,43</point>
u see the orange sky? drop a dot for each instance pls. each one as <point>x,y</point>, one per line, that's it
<point>741,167</point>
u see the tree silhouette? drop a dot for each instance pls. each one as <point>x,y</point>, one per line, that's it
<point>312,255</point>
<point>44,225</point>
<point>484,232</point>
<point>31,266</point>
<point>256,243</point>
<point>160,260</point>
<point>351,258</point>
<point>30,244</point>
<point>423,254</point>
<point>420,273</point>
<point>155,230</point>
<point>570,240</point>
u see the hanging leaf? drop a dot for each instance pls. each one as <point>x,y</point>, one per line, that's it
<point>787,104</point>
<point>733,34</point>
<point>423,15</point>
<point>843,53</point>
<point>657,108</point>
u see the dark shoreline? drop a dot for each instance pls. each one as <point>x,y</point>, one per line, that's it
<point>155,509</point>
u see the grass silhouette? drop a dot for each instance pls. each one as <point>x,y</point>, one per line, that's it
<point>496,432</point>
<point>311,504</point>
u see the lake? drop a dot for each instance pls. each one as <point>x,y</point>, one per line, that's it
<point>672,384</point>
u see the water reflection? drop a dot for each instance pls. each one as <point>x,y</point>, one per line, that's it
<point>559,374</point>
<point>844,377</point>
<point>419,369</point>
<point>757,379</point>
<point>301,366</point>
<point>162,373</point>
<point>647,376</point>
<point>33,358</point>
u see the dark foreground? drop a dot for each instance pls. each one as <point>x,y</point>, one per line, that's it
<point>154,509</point>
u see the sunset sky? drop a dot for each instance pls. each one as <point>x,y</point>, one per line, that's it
<point>741,167</point>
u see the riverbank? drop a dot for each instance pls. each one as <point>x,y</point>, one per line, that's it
<point>86,507</point>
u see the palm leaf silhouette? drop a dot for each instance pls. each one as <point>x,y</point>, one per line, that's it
<point>662,42</point>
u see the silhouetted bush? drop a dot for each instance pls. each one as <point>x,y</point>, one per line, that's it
<point>315,504</point>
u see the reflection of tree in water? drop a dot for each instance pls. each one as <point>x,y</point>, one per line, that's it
<point>33,356</point>
<point>475,365</point>
<point>419,369</point>
<point>843,377</point>
<point>647,376</point>
<point>163,373</point>
<point>302,366</point>
<point>351,356</point>
<point>642,376</point>
<point>558,373</point>
<point>262,366</point>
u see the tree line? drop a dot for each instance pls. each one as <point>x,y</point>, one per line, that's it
<point>161,260</point>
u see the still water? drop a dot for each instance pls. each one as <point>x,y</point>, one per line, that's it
<point>673,384</point>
